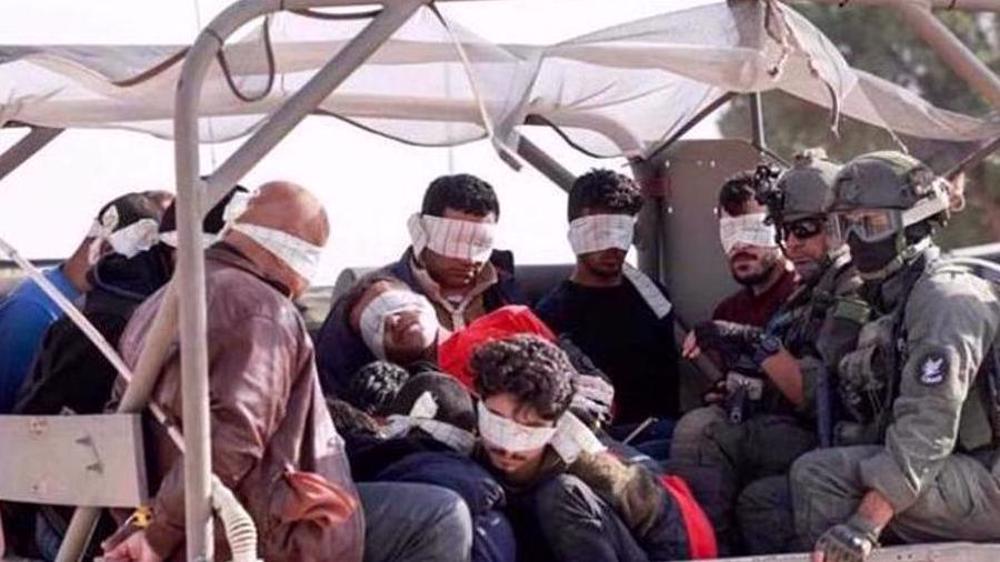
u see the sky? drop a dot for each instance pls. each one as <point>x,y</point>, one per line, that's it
<point>369,185</point>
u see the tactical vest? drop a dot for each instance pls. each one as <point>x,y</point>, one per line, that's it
<point>799,320</point>
<point>870,376</point>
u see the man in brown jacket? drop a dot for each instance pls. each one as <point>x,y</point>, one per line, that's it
<point>273,443</point>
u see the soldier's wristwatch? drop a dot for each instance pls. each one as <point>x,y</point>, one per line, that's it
<point>768,345</point>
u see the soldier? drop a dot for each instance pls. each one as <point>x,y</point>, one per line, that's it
<point>741,457</point>
<point>919,461</point>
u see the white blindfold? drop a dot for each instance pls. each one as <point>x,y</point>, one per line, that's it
<point>749,230</point>
<point>127,241</point>
<point>460,239</point>
<point>391,302</point>
<point>594,233</point>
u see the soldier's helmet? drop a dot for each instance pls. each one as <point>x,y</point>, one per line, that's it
<point>805,190</point>
<point>879,194</point>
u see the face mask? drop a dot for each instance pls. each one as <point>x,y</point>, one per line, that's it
<point>594,233</point>
<point>509,435</point>
<point>871,257</point>
<point>459,239</point>
<point>422,417</point>
<point>394,301</point>
<point>299,255</point>
<point>750,230</point>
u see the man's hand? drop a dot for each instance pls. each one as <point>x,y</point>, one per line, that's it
<point>848,542</point>
<point>728,339</point>
<point>135,548</point>
<point>690,349</point>
<point>593,395</point>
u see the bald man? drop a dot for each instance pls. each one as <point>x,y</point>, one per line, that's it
<point>273,443</point>
<point>271,435</point>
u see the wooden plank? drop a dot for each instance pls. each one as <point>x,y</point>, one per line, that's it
<point>95,461</point>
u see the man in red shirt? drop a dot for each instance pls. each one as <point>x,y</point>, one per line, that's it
<point>768,279</point>
<point>755,260</point>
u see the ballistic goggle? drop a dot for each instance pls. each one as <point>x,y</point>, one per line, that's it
<point>876,225</point>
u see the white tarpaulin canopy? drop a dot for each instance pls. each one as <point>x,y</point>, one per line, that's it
<point>621,90</point>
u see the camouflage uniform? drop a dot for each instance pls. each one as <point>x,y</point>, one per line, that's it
<point>937,463</point>
<point>922,389</point>
<point>739,470</point>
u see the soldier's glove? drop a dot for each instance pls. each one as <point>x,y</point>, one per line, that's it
<point>593,395</point>
<point>848,542</point>
<point>728,339</point>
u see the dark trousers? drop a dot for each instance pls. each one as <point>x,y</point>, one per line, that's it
<point>961,504</point>
<point>563,520</point>
<point>719,459</point>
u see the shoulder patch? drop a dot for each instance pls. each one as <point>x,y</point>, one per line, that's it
<point>932,368</point>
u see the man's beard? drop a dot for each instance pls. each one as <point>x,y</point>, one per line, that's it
<point>756,278</point>
<point>603,272</point>
<point>767,268</point>
<point>810,270</point>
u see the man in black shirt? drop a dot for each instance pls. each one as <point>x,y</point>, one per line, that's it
<point>619,317</point>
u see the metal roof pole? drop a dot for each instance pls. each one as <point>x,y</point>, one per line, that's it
<point>308,98</point>
<point>964,5</point>
<point>192,199</point>
<point>25,148</point>
<point>757,121</point>
<point>545,163</point>
<point>956,55</point>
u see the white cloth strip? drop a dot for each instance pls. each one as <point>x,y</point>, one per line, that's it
<point>234,209</point>
<point>751,230</point>
<point>301,256</point>
<point>509,435</point>
<point>572,437</point>
<point>134,238</point>
<point>649,292</point>
<point>102,228</point>
<point>170,239</point>
<point>390,302</point>
<point>422,417</point>
<point>594,233</point>
<point>452,436</point>
<point>467,240</point>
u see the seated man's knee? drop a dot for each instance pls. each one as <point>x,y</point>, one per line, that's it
<point>690,432</point>
<point>824,490</point>
<point>450,517</point>
<point>415,522</point>
<point>807,472</point>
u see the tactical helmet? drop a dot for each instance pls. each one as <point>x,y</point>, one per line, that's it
<point>806,190</point>
<point>877,198</point>
<point>889,180</point>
